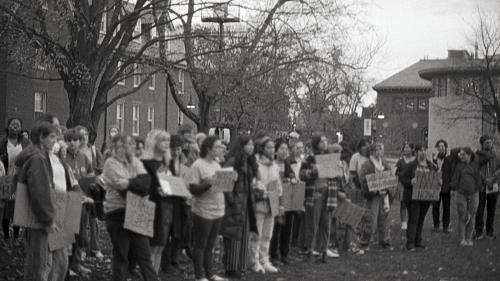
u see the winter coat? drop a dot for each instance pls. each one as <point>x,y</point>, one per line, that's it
<point>164,205</point>
<point>406,172</point>
<point>310,176</point>
<point>181,212</point>
<point>366,169</point>
<point>3,150</point>
<point>489,166</point>
<point>240,202</point>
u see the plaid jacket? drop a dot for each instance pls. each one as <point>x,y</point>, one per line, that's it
<point>309,174</point>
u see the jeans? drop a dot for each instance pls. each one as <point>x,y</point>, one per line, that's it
<point>282,236</point>
<point>416,217</point>
<point>375,215</point>
<point>124,240</point>
<point>41,264</point>
<point>205,233</point>
<point>156,253</point>
<point>445,198</point>
<point>259,243</point>
<point>466,207</point>
<point>318,222</point>
<point>488,201</point>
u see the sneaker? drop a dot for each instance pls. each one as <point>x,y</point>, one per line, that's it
<point>421,246</point>
<point>404,225</point>
<point>491,236</point>
<point>257,268</point>
<point>202,279</point>
<point>269,268</point>
<point>233,274</point>
<point>479,236</point>
<point>83,270</point>
<point>469,243</point>
<point>216,277</point>
<point>72,273</point>
<point>333,254</point>
<point>315,253</point>
<point>285,261</point>
<point>98,255</point>
<point>386,246</point>
<point>463,243</point>
<point>447,230</point>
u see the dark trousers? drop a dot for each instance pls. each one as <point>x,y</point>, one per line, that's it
<point>416,217</point>
<point>282,236</point>
<point>445,198</point>
<point>318,222</point>
<point>488,202</point>
<point>124,241</point>
<point>205,233</point>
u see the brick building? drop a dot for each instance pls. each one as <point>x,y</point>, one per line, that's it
<point>402,107</point>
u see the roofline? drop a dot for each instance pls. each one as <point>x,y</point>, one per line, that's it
<point>428,74</point>
<point>402,88</point>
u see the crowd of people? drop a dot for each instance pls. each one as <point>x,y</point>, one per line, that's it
<point>251,236</point>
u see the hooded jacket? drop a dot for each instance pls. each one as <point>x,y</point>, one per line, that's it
<point>35,171</point>
<point>489,166</point>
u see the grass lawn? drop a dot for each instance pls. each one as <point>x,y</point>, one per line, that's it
<point>442,260</point>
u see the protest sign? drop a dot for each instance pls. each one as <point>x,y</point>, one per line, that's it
<point>139,215</point>
<point>293,196</point>
<point>349,213</point>
<point>187,174</point>
<point>23,212</point>
<point>224,180</point>
<point>68,207</point>
<point>273,195</point>
<point>177,186</point>
<point>329,165</point>
<point>427,186</point>
<point>381,181</point>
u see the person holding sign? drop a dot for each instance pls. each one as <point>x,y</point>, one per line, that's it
<point>207,207</point>
<point>467,183</point>
<point>282,233</point>
<point>123,173</point>
<point>377,202</point>
<point>34,170</point>
<point>239,219</point>
<point>417,209</point>
<point>155,159</point>
<point>320,200</point>
<point>268,195</point>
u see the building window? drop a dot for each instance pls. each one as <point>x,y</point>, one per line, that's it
<point>121,82</point>
<point>151,117</point>
<point>398,105</point>
<point>410,104</point>
<point>422,104</point>
<point>167,40</point>
<point>120,108</point>
<point>152,79</point>
<point>181,82</point>
<point>137,75</point>
<point>103,27</point>
<point>40,102</point>
<point>135,120</point>
<point>154,32</point>
<point>180,116</point>
<point>137,31</point>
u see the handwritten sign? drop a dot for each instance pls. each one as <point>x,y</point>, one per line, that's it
<point>381,181</point>
<point>293,196</point>
<point>177,186</point>
<point>273,194</point>
<point>23,212</point>
<point>224,181</point>
<point>349,213</point>
<point>427,187</point>
<point>139,215</point>
<point>329,165</point>
<point>68,206</point>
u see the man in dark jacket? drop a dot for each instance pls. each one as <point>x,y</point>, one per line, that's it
<point>445,164</point>
<point>36,173</point>
<point>488,196</point>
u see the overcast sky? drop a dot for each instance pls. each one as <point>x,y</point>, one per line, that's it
<point>414,29</point>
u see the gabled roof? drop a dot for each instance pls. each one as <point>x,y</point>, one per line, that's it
<point>409,77</point>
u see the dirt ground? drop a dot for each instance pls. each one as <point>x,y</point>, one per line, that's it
<point>443,260</point>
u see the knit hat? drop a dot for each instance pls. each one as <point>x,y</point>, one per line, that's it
<point>176,141</point>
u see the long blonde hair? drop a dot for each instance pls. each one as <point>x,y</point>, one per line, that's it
<point>152,140</point>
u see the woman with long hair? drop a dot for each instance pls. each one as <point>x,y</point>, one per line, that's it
<point>123,173</point>
<point>377,202</point>
<point>156,159</point>
<point>320,200</point>
<point>239,219</point>
<point>268,178</point>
